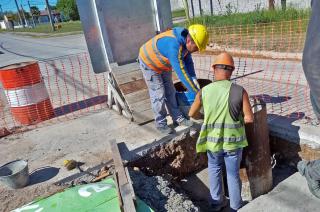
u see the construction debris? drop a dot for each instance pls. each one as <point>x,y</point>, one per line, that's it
<point>160,194</point>
<point>70,164</point>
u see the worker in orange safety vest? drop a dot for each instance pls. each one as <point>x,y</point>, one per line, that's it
<point>166,52</point>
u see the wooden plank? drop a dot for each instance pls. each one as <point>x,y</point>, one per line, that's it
<point>130,184</point>
<point>128,204</point>
<point>129,77</point>
<point>117,96</point>
<point>143,117</point>
<point>133,86</point>
<point>119,70</point>
<point>141,106</point>
<point>115,177</point>
<point>137,96</point>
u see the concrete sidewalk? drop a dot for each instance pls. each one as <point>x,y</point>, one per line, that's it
<point>85,139</point>
<point>290,195</point>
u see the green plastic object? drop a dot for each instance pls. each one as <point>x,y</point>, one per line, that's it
<point>101,196</point>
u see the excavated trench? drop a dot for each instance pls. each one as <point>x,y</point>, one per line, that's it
<point>185,172</point>
<point>160,176</point>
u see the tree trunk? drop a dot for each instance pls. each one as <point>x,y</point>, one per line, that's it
<point>271,4</point>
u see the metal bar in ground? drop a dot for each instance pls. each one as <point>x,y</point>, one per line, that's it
<point>245,75</point>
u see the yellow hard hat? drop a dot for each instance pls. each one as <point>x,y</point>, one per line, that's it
<point>224,59</point>
<point>199,35</point>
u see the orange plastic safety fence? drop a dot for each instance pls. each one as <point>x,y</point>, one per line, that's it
<point>268,65</point>
<point>69,88</point>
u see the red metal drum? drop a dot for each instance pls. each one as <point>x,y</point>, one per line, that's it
<point>26,93</point>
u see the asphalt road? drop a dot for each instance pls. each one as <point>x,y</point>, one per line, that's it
<point>21,48</point>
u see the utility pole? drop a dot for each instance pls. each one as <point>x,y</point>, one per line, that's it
<point>1,14</point>
<point>34,24</point>
<point>24,16</point>
<point>19,13</point>
<point>49,14</point>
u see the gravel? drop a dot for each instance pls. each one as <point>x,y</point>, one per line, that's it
<point>160,194</point>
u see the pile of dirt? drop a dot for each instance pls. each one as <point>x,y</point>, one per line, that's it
<point>177,158</point>
<point>160,194</point>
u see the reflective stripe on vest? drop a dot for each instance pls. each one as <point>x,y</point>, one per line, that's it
<point>159,56</point>
<point>219,131</point>
<point>222,139</point>
<point>220,126</point>
<point>151,56</point>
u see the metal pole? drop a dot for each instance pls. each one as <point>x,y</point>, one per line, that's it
<point>186,9</point>
<point>192,8</point>
<point>19,13</point>
<point>211,7</point>
<point>34,24</point>
<point>155,6</point>
<point>49,14</point>
<point>200,8</point>
<point>24,17</point>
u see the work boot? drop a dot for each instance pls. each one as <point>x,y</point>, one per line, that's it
<point>165,129</point>
<point>220,206</point>
<point>185,122</point>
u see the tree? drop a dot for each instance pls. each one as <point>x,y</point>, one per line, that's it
<point>35,11</point>
<point>271,4</point>
<point>69,9</point>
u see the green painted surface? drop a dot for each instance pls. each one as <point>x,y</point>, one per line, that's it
<point>101,196</point>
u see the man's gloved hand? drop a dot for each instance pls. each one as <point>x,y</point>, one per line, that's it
<point>195,81</point>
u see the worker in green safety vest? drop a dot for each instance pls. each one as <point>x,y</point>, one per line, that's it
<point>226,109</point>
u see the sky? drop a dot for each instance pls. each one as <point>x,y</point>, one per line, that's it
<point>10,4</point>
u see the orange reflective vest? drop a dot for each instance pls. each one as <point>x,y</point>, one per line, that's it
<point>151,56</point>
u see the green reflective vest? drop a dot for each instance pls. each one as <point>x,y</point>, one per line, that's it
<point>219,131</point>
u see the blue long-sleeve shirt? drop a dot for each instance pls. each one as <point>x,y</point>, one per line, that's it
<point>180,59</point>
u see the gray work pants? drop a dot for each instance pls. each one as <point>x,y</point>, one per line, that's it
<point>311,171</point>
<point>162,93</point>
<point>311,57</point>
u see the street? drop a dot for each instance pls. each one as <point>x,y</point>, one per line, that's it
<point>65,68</point>
<point>19,48</point>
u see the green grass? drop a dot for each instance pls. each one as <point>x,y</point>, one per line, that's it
<point>256,17</point>
<point>72,26</point>
<point>178,13</point>
<point>282,31</point>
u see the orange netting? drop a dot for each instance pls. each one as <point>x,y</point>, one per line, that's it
<point>268,65</point>
<point>73,90</point>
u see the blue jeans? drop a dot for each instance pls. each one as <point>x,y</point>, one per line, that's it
<point>232,161</point>
<point>162,93</point>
